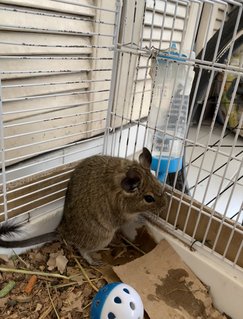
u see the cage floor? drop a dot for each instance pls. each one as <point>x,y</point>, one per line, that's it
<point>216,179</point>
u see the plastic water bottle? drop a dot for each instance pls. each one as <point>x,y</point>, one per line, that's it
<point>169,108</point>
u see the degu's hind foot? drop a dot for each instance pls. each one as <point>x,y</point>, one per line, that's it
<point>86,255</point>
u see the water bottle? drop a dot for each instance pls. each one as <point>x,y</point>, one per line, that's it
<point>172,81</point>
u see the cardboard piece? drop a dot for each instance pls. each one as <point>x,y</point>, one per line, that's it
<point>168,288</point>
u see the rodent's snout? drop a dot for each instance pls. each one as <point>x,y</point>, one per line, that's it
<point>161,204</point>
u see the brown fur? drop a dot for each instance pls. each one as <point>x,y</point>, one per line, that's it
<point>96,204</point>
<point>103,194</point>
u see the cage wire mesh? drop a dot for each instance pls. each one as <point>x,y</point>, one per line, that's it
<point>207,38</point>
<point>77,80</point>
<point>56,63</point>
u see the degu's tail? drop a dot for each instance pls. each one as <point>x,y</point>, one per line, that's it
<point>10,229</point>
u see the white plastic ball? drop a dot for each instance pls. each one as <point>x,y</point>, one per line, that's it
<point>117,301</point>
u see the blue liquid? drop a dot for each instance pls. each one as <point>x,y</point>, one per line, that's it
<point>173,164</point>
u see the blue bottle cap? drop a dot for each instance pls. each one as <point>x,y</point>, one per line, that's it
<point>171,54</point>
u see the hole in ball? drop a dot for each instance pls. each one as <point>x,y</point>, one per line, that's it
<point>111,315</point>
<point>97,303</point>
<point>126,290</point>
<point>117,300</point>
<point>132,305</point>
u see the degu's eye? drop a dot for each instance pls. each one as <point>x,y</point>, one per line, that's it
<point>149,198</point>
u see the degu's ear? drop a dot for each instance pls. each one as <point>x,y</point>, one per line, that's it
<point>145,158</point>
<point>131,182</point>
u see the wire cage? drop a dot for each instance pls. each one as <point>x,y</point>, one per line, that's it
<point>77,80</point>
<point>56,63</point>
<point>212,154</point>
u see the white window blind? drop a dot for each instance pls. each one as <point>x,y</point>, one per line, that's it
<point>163,22</point>
<point>55,68</point>
<point>188,24</point>
<point>213,18</point>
